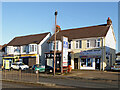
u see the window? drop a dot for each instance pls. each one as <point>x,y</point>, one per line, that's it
<point>93,43</point>
<point>53,45</point>
<point>83,62</point>
<point>57,45</point>
<point>87,62</point>
<point>24,48</point>
<point>17,49</point>
<point>33,48</point>
<point>69,45</point>
<point>78,44</point>
<point>98,43</point>
<point>88,43</point>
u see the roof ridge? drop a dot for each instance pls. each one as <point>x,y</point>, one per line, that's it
<point>83,27</point>
<point>31,35</point>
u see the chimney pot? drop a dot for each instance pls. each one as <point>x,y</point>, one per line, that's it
<point>109,21</point>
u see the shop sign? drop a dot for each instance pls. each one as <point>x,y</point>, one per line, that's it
<point>91,52</point>
<point>65,52</point>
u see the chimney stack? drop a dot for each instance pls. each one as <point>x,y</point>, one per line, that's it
<point>58,28</point>
<point>109,22</point>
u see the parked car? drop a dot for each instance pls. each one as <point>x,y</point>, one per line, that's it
<point>19,65</point>
<point>49,69</point>
<point>116,66</point>
<point>39,68</point>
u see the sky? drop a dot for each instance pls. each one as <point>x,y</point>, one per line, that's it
<point>25,18</point>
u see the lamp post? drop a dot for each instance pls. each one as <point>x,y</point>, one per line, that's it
<point>55,41</point>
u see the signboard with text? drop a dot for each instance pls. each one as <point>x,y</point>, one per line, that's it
<point>65,52</point>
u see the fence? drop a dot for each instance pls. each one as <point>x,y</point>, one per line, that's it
<point>19,75</point>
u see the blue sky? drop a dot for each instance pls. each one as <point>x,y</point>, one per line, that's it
<point>24,18</point>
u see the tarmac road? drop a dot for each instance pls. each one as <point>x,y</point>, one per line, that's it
<point>6,84</point>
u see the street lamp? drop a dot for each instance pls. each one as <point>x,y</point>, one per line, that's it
<point>55,41</point>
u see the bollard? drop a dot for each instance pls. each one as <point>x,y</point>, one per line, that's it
<point>37,72</point>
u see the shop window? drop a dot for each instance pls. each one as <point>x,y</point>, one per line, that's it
<point>83,62</point>
<point>78,44</point>
<point>87,62</point>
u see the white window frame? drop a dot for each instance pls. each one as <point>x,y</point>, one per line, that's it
<point>57,45</point>
<point>69,44</point>
<point>34,46</point>
<point>97,41</point>
<point>16,48</point>
<point>78,44</point>
<point>87,44</point>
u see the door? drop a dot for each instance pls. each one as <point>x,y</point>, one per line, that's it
<point>75,63</point>
<point>97,63</point>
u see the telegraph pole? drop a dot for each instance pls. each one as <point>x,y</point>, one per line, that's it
<point>55,41</point>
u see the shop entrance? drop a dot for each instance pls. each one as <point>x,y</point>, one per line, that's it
<point>75,63</point>
<point>97,63</point>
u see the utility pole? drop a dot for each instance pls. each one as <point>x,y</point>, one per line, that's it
<point>55,41</point>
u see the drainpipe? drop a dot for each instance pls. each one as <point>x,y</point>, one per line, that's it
<point>102,54</point>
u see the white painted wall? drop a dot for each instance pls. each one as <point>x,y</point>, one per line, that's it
<point>10,50</point>
<point>109,39</point>
<point>43,47</point>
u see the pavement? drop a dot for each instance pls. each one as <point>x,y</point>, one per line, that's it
<point>77,78</point>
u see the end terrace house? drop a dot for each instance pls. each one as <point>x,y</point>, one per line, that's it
<point>89,48</point>
<point>28,49</point>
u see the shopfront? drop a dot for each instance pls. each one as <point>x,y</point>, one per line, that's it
<point>30,60</point>
<point>49,60</point>
<point>90,60</point>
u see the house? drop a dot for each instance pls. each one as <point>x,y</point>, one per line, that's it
<point>90,48</point>
<point>27,49</point>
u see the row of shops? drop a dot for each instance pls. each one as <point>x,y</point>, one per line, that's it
<point>85,60</point>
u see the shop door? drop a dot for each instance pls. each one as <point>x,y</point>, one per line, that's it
<point>75,63</point>
<point>97,63</point>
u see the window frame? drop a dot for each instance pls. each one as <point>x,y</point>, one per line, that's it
<point>33,48</point>
<point>79,42</point>
<point>96,43</point>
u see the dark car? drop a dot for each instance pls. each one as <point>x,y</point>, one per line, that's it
<point>48,69</point>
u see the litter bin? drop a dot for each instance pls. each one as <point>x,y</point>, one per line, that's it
<point>69,68</point>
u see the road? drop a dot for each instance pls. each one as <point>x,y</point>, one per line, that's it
<point>6,84</point>
<point>65,81</point>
